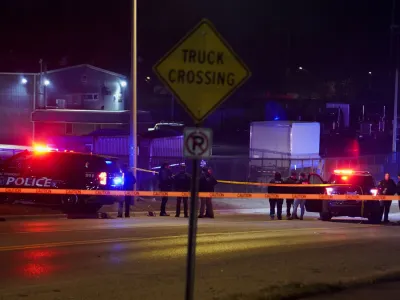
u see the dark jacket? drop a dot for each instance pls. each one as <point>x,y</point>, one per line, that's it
<point>277,180</point>
<point>129,180</point>
<point>387,187</point>
<point>182,182</point>
<point>276,189</point>
<point>290,189</point>
<point>207,182</point>
<point>165,179</point>
<point>302,180</point>
<point>398,188</point>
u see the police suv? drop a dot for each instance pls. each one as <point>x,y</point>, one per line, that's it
<point>49,169</point>
<point>352,183</point>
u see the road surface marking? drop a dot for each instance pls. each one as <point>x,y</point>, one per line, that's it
<point>140,239</point>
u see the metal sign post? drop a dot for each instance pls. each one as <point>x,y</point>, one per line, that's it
<point>197,145</point>
<point>201,71</point>
<point>191,254</point>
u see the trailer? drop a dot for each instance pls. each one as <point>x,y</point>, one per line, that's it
<point>283,146</point>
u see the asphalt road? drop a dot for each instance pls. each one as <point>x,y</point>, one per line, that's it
<point>145,257</point>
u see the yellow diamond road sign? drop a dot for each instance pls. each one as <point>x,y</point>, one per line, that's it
<point>202,70</point>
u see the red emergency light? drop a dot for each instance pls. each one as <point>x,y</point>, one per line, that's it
<point>41,148</point>
<point>343,172</point>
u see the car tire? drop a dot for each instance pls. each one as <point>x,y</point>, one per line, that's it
<point>73,204</point>
<point>81,209</point>
<point>375,218</point>
<point>92,208</point>
<point>325,216</point>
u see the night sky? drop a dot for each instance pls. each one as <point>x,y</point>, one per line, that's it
<point>331,38</point>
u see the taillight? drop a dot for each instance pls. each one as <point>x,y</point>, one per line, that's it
<point>374,192</point>
<point>329,190</point>
<point>103,178</point>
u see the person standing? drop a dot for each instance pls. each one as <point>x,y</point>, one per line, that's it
<point>207,183</point>
<point>129,183</point>
<point>165,183</point>
<point>386,187</point>
<point>278,203</point>
<point>302,202</point>
<point>289,202</point>
<point>182,182</point>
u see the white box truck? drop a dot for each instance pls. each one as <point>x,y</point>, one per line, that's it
<point>290,145</point>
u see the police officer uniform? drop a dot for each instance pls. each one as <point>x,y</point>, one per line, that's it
<point>165,183</point>
<point>182,182</point>
<point>386,187</point>
<point>275,202</point>
<point>289,202</point>
<point>207,184</point>
<point>129,182</point>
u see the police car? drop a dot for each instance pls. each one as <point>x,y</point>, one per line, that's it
<point>353,183</point>
<point>51,169</point>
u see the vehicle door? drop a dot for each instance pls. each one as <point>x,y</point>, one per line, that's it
<point>314,205</point>
<point>77,172</point>
<point>14,170</point>
<point>42,170</point>
<point>13,173</point>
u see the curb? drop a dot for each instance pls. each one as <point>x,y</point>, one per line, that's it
<point>293,291</point>
<point>235,211</point>
<point>24,217</point>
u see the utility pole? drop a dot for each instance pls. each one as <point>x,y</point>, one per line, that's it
<point>394,43</point>
<point>396,90</point>
<point>134,145</point>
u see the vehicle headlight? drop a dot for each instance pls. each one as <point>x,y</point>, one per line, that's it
<point>118,181</point>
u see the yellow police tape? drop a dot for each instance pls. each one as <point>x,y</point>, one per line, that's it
<point>220,181</point>
<point>246,182</point>
<point>201,194</point>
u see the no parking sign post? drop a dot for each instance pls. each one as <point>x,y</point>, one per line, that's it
<point>201,71</point>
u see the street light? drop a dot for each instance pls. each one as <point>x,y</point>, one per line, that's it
<point>123,83</point>
<point>370,73</point>
<point>24,81</point>
<point>300,68</point>
<point>46,82</point>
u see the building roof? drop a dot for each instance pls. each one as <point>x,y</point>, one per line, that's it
<point>87,66</point>
<point>87,116</point>
<point>67,68</point>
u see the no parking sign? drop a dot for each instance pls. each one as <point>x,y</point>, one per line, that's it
<point>197,143</point>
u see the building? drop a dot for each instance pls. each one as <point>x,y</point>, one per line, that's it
<point>72,101</point>
<point>16,106</point>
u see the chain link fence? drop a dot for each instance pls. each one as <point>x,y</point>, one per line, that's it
<point>243,169</point>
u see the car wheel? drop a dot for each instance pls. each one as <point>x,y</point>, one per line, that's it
<point>81,209</point>
<point>375,218</point>
<point>325,216</point>
<point>91,208</point>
